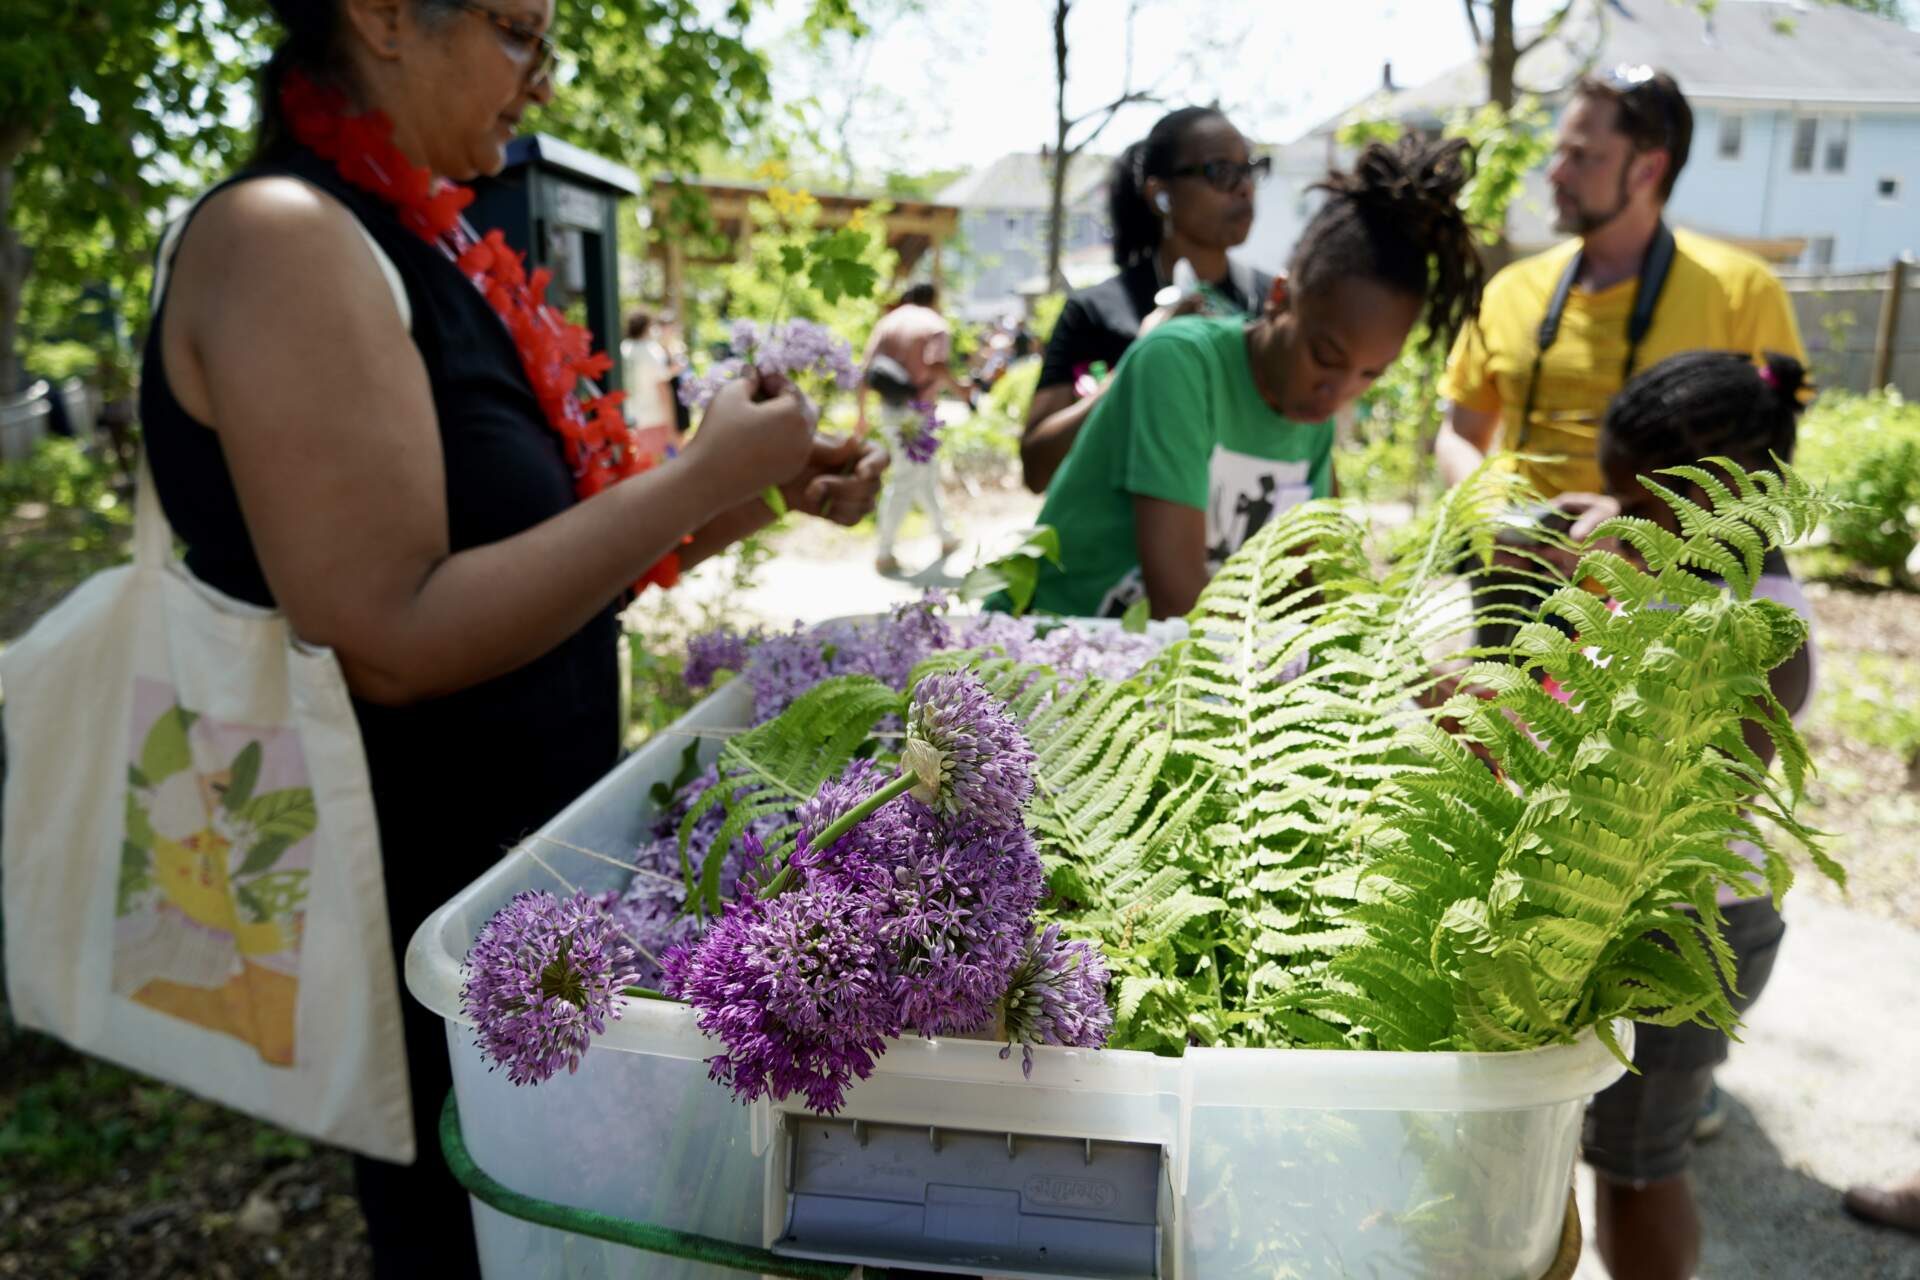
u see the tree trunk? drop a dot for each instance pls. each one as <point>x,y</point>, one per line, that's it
<point>1503,56</point>
<point>1057,201</point>
<point>13,260</point>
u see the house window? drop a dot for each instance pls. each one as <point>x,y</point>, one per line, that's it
<point>1731,127</point>
<point>1818,253</point>
<point>1804,128</point>
<point>1889,188</point>
<point>1834,138</point>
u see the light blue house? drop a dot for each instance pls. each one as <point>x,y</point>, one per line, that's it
<point>1806,142</point>
<point>1003,226</point>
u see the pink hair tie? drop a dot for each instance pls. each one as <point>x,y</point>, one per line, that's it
<point>1767,376</point>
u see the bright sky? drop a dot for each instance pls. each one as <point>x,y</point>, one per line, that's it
<point>975,80</point>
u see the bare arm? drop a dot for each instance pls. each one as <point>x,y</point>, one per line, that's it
<point>1465,439</point>
<point>1172,543</point>
<point>327,423</point>
<point>1053,421</point>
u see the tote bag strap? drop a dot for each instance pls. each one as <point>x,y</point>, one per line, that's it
<point>152,534</point>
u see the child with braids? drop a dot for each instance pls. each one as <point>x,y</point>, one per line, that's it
<point>1215,424</point>
<point>1639,1133</point>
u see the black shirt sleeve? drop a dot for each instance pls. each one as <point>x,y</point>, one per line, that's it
<point>1068,344</point>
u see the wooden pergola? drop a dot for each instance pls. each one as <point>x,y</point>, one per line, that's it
<point>915,228</point>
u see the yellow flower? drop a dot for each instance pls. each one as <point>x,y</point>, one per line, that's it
<point>789,205</point>
<point>857,220</point>
<point>770,171</point>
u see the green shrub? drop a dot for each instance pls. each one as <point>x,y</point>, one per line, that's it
<point>1865,451</point>
<point>985,445</point>
<point>60,473</point>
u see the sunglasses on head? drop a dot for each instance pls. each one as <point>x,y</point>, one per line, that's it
<point>1637,84</point>
<point>1225,175</point>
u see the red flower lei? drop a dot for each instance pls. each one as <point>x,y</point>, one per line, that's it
<point>556,355</point>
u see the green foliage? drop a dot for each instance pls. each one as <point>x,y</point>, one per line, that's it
<point>1017,573</point>
<point>1013,394</point>
<point>1512,911</point>
<point>106,111</point>
<point>61,473</point>
<point>1311,861</point>
<point>770,769</point>
<point>1864,451</point>
<point>795,269</point>
<point>1871,699</point>
<point>1046,314</point>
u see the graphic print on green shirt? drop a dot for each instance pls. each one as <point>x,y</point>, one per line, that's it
<point>1182,421</point>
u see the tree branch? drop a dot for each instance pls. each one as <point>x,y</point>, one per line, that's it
<point>1548,31</point>
<point>1109,109</point>
<point>1473,23</point>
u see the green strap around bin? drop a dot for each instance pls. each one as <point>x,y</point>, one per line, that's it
<point>618,1230</point>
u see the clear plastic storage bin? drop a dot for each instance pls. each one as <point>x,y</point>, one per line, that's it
<point>1225,1163</point>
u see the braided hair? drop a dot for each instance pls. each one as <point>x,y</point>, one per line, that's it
<point>1136,225</point>
<point>1706,404</point>
<point>1395,217</point>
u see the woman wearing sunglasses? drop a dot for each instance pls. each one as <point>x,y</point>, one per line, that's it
<point>358,412</point>
<point>1184,192</point>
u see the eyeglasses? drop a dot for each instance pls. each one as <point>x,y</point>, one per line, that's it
<point>526,44</point>
<point>1225,175</point>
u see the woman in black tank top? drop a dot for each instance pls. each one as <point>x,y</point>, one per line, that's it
<point>395,488</point>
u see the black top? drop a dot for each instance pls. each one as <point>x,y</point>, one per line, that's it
<point>456,779</point>
<point>1101,322</point>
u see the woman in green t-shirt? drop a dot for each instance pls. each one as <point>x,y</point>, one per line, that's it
<point>1213,425</point>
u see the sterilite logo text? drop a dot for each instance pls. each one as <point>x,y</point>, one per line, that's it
<point>1070,1193</point>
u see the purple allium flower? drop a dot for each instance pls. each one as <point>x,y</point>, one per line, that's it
<point>783,668</point>
<point>965,748</point>
<point>1058,996</point>
<point>652,910</point>
<point>951,898</point>
<point>961,905</point>
<point>795,987</point>
<point>920,441</point>
<point>860,859</point>
<point>543,977</point>
<point>721,649</point>
<point>697,392</point>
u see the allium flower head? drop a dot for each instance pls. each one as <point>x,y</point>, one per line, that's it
<point>795,987</point>
<point>861,858</point>
<point>1058,996</point>
<point>969,755</point>
<point>543,976</point>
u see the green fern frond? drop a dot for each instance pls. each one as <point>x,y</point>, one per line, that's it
<point>772,768</point>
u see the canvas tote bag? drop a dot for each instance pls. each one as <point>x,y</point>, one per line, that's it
<point>192,880</point>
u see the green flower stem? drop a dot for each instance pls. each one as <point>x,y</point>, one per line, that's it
<point>840,826</point>
<point>647,993</point>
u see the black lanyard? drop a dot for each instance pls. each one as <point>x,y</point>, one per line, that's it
<point>1646,294</point>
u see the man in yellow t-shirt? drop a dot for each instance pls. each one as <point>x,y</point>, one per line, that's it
<point>1622,141</point>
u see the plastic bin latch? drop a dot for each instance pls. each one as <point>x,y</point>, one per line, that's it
<point>1012,1205</point>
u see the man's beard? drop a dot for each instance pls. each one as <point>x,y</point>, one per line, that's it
<point>1580,221</point>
